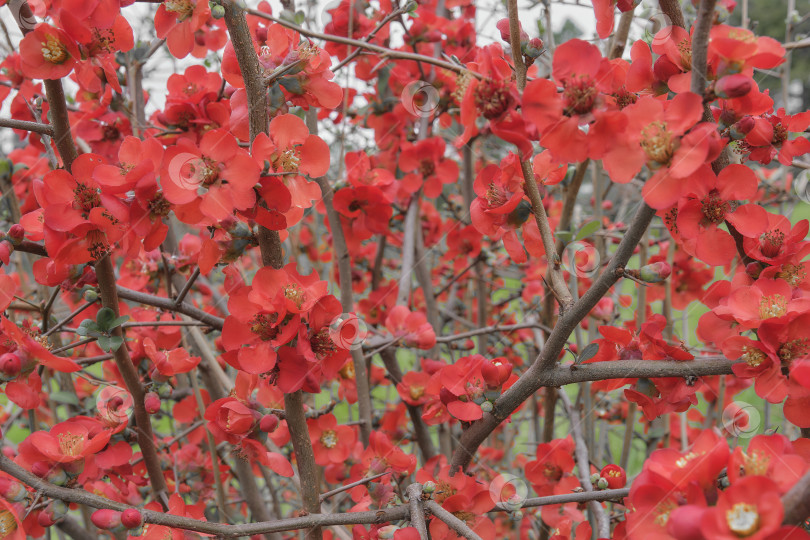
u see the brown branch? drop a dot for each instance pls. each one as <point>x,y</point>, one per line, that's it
<point>344,264</point>
<point>700,45</point>
<point>417,510</point>
<point>672,9</point>
<point>797,502</point>
<point>34,127</point>
<point>304,456</point>
<point>583,496</point>
<point>169,305</point>
<point>347,487</point>
<point>81,496</point>
<point>420,429</point>
<point>384,51</point>
<point>452,521</point>
<point>584,466</point>
<point>109,299</point>
<point>570,201</point>
<point>532,379</point>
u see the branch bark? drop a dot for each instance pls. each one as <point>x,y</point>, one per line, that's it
<point>532,379</point>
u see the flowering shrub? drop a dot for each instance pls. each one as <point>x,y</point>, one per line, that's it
<point>373,271</point>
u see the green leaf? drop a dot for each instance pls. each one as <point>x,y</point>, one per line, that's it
<point>118,322</point>
<point>105,317</point>
<point>104,343</point>
<point>565,236</point>
<point>588,229</point>
<point>87,327</point>
<point>587,353</point>
<point>116,342</point>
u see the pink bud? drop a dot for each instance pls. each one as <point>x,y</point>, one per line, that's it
<point>131,518</point>
<point>16,233</point>
<point>655,272</point>
<point>11,490</point>
<point>268,423</point>
<point>733,86</point>
<point>106,519</point>
<point>10,366</point>
<point>46,518</point>
<point>151,402</point>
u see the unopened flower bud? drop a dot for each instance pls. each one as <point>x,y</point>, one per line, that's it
<point>106,519</point>
<point>532,48</point>
<point>753,269</point>
<point>602,483</point>
<point>10,366</point>
<point>742,128</point>
<point>91,295</point>
<point>11,490</point>
<point>387,532</point>
<point>733,86</point>
<point>594,478</point>
<point>217,11</point>
<point>429,487</point>
<point>655,272</point>
<point>46,518</point>
<point>517,516</point>
<point>268,423</point>
<point>487,406</point>
<point>151,402</point>
<point>16,234</point>
<point>131,518</point>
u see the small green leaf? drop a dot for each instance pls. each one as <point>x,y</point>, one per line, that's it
<point>87,327</point>
<point>565,236</point>
<point>118,322</point>
<point>116,342</point>
<point>588,229</point>
<point>587,353</point>
<point>104,342</point>
<point>105,317</point>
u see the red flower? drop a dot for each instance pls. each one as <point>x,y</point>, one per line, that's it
<point>751,508</point>
<point>615,476</point>
<point>331,443</point>
<point>426,157</point>
<point>580,69</point>
<point>656,135</point>
<point>29,349</point>
<point>230,418</point>
<point>715,199</point>
<point>68,441</point>
<point>48,53</point>
<point>553,461</point>
<point>769,137</point>
<point>412,388</point>
<point>177,21</point>
<point>210,182</point>
<point>170,362</point>
<point>412,327</point>
<point>780,243</point>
